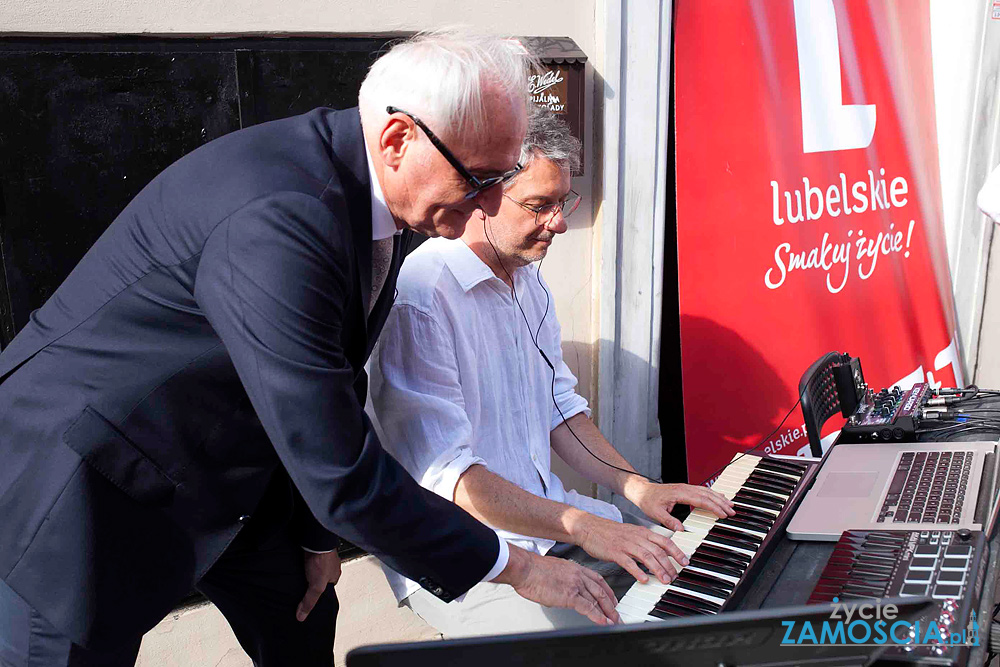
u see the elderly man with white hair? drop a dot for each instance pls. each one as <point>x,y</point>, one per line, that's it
<point>186,410</point>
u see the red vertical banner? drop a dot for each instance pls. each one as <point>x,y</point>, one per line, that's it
<point>808,210</point>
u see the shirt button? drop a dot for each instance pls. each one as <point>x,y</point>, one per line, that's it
<point>244,518</point>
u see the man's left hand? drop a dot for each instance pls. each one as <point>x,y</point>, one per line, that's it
<point>321,570</point>
<point>656,500</point>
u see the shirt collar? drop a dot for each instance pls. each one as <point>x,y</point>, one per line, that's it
<point>383,226</point>
<point>469,270</point>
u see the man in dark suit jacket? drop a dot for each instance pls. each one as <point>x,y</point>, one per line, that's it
<point>186,409</point>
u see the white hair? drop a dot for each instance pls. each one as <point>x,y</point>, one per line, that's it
<point>440,77</point>
<point>548,138</point>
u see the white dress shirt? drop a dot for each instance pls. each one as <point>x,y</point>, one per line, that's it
<point>383,227</point>
<point>457,381</point>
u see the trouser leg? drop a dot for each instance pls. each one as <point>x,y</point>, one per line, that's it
<point>28,640</point>
<point>257,588</point>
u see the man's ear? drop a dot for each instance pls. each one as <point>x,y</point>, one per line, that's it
<point>397,134</point>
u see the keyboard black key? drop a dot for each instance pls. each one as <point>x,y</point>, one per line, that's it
<point>870,572</point>
<point>753,512</point>
<point>761,500</point>
<point>764,522</point>
<point>728,541</point>
<point>723,586</point>
<point>764,477</point>
<point>757,505</point>
<point>690,601</point>
<point>735,559</point>
<point>767,486</point>
<point>734,538</point>
<point>743,523</point>
<point>876,558</point>
<point>787,467</point>
<point>666,610</point>
<point>699,587</point>
<point>774,478</point>
<point>713,564</point>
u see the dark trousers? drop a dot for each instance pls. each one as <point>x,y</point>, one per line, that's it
<point>256,584</point>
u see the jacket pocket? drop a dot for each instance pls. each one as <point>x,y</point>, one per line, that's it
<point>118,459</point>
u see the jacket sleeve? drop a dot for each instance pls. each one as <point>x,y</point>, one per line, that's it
<point>311,534</point>
<point>275,280</point>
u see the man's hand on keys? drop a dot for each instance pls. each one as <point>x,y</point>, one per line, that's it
<point>656,500</point>
<point>628,545</point>
<point>554,582</point>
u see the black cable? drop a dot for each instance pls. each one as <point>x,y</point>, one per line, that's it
<point>974,429</point>
<point>552,367</point>
<point>953,423</point>
<point>765,439</point>
<point>534,340</point>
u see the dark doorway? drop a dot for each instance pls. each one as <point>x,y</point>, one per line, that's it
<point>671,399</point>
<point>85,124</point>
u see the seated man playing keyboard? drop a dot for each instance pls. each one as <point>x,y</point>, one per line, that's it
<point>473,409</point>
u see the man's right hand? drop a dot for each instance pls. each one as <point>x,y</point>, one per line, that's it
<point>628,545</point>
<point>554,582</point>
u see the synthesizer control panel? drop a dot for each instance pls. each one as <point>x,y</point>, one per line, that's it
<point>890,415</point>
<point>948,566</point>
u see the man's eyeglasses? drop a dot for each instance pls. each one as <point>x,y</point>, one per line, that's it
<point>477,184</point>
<point>544,215</point>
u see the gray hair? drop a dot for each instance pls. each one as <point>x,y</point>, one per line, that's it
<point>439,76</point>
<point>549,138</point>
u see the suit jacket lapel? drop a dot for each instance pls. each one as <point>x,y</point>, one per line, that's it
<point>348,154</point>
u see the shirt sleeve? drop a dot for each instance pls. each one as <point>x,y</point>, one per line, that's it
<point>277,282</point>
<point>567,402</point>
<point>417,395</point>
<point>501,563</point>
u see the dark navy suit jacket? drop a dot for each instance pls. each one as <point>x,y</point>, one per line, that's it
<point>212,338</point>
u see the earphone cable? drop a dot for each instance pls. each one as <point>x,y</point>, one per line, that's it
<point>534,340</point>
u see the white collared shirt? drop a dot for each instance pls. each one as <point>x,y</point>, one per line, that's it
<point>456,381</point>
<point>383,227</point>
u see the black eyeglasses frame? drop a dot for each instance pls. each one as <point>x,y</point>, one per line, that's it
<point>560,206</point>
<point>477,184</point>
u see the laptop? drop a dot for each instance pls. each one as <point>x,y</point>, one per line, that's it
<point>902,486</point>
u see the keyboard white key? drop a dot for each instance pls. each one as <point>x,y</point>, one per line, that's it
<point>638,604</point>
